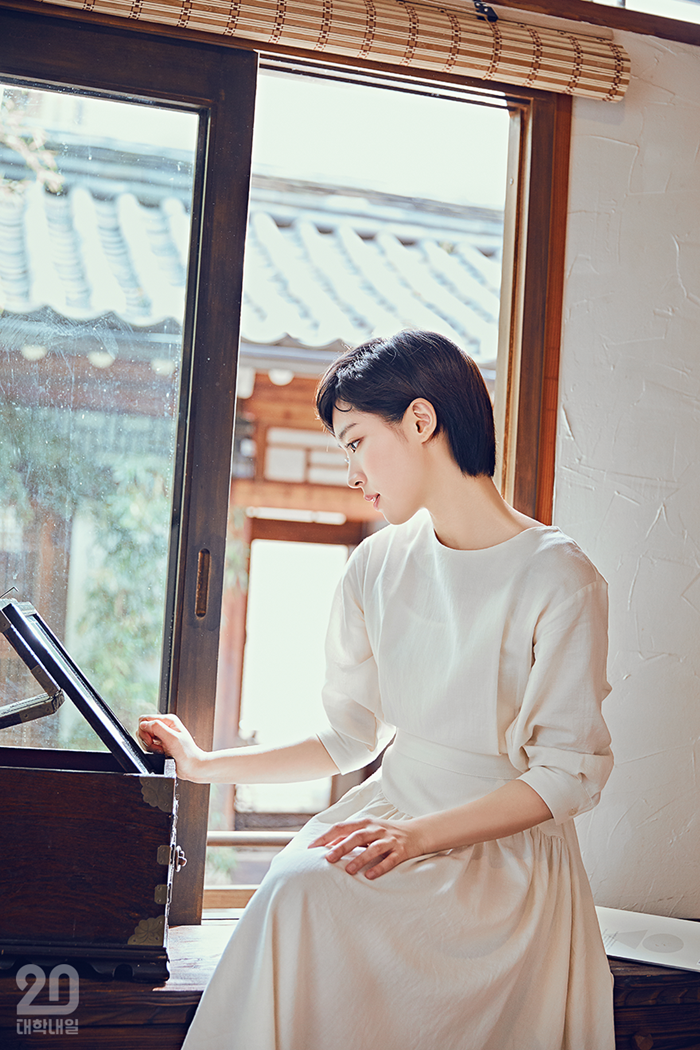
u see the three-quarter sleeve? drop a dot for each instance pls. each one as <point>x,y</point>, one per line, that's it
<point>559,737</point>
<point>356,733</point>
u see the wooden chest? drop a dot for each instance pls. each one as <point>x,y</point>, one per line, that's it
<point>88,855</point>
<point>87,838</point>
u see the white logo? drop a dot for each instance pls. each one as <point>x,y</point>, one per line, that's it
<point>53,1011</point>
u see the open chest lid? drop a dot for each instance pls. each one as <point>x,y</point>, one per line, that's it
<point>57,674</point>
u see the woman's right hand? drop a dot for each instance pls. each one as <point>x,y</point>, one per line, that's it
<point>166,735</point>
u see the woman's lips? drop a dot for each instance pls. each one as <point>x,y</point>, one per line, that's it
<point>373,499</point>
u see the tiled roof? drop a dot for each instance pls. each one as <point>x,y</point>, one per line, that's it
<point>333,269</point>
<point>325,267</point>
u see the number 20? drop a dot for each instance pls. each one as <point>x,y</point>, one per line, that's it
<point>25,1005</point>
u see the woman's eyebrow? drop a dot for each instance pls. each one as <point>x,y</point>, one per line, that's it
<point>343,432</point>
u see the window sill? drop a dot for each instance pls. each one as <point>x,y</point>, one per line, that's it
<point>226,897</point>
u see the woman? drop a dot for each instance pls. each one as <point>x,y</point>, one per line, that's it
<point>441,905</point>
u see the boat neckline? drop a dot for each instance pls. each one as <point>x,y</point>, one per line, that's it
<point>493,547</point>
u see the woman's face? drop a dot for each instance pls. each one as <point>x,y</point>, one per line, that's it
<point>382,461</point>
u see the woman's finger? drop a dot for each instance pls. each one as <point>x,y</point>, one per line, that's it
<point>173,722</point>
<point>148,729</point>
<point>169,722</point>
<point>158,735</point>
<point>371,855</point>
<point>154,724</point>
<point>381,868</point>
<point>334,842</point>
<point>336,833</point>
<point>146,734</point>
<point>323,840</point>
<point>362,838</point>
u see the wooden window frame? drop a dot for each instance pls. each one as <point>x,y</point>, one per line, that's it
<point>531,301</point>
<point>203,78</point>
<point>595,12</point>
<point>150,58</point>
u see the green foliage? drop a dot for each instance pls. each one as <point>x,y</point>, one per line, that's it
<point>45,470</point>
<point>221,864</point>
<point>40,468</point>
<point>122,626</point>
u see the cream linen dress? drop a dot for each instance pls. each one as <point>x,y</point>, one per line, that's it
<point>487,665</point>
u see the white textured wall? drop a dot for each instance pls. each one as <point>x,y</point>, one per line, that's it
<point>628,468</point>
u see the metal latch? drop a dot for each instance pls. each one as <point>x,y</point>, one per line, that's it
<point>165,854</point>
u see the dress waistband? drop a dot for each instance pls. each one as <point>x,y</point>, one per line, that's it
<point>493,767</point>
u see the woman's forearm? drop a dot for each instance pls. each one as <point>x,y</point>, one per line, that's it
<point>506,811</point>
<point>385,843</point>
<point>305,760</point>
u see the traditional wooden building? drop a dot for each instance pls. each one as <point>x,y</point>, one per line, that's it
<point>93,274</point>
<point>611,249</point>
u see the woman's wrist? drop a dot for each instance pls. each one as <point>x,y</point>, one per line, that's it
<point>422,831</point>
<point>195,767</point>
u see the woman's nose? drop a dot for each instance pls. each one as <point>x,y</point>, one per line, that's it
<point>355,476</point>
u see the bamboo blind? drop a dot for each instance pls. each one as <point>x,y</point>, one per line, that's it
<point>402,34</point>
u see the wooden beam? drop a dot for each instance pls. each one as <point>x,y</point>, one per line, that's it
<point>73,384</point>
<point>586,11</point>
<point>227,896</point>
<point>600,14</point>
<point>349,534</point>
<point>266,839</point>
<point>247,492</point>
<point>283,406</point>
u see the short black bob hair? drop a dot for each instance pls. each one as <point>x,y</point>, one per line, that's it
<point>384,376</point>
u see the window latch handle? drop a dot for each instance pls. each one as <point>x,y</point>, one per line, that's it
<point>201,599</point>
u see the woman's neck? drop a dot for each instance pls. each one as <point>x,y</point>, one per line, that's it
<point>470,514</point>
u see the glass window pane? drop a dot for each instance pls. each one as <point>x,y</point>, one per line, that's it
<point>284,660</point>
<point>95,217</point>
<point>392,218</point>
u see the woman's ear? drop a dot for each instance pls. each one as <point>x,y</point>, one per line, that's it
<point>421,418</point>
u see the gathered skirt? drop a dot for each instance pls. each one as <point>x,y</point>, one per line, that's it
<point>494,946</point>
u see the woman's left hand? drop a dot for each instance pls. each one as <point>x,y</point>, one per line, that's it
<point>385,843</point>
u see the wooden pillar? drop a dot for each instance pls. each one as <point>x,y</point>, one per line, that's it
<point>232,643</point>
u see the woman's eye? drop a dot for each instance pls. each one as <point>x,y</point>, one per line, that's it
<point>352,447</point>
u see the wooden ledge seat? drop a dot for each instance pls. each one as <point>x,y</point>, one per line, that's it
<point>655,1008</point>
<point>125,1015</point>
